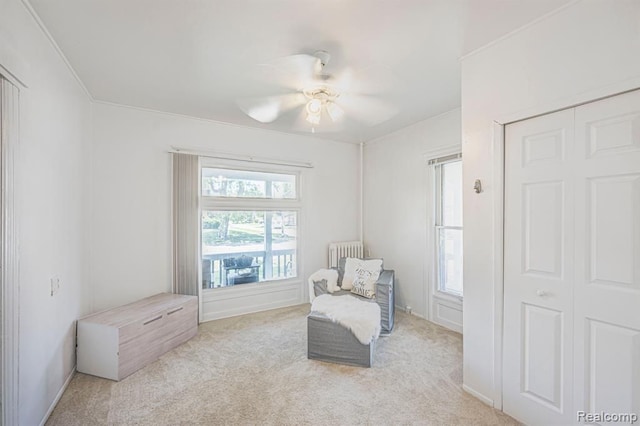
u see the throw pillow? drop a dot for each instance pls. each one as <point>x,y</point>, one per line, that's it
<point>364,283</point>
<point>350,266</point>
<point>349,275</point>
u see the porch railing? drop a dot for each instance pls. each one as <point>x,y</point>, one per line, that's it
<point>213,271</point>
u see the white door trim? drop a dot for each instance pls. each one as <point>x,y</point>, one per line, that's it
<point>9,272</point>
<point>498,147</point>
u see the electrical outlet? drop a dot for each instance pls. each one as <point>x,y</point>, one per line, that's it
<point>55,285</point>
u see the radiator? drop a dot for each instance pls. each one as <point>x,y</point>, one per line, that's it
<point>346,249</point>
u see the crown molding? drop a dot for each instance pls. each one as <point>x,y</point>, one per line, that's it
<point>518,30</point>
<point>56,47</point>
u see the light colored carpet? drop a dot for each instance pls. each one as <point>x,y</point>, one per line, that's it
<point>254,369</point>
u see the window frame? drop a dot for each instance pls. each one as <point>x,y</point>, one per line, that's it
<point>437,226</point>
<point>218,203</point>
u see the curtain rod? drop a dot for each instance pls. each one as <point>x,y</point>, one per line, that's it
<point>247,158</point>
<point>445,159</point>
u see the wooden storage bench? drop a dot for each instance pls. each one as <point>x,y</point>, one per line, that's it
<point>115,343</point>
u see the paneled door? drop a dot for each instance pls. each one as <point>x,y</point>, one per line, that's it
<point>539,263</point>
<point>607,270</point>
<point>572,263</point>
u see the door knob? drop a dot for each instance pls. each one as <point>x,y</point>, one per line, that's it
<point>542,293</point>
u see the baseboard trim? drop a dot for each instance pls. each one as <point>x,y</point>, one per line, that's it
<point>413,314</point>
<point>478,395</point>
<point>58,396</point>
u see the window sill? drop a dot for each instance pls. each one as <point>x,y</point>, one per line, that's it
<point>258,286</point>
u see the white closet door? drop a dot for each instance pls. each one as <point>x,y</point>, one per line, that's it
<point>572,263</point>
<point>607,273</point>
<point>539,263</point>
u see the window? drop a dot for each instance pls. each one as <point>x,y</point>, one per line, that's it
<point>249,226</point>
<point>247,184</point>
<point>448,224</point>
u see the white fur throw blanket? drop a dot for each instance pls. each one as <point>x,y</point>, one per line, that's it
<point>362,318</point>
<point>331,275</point>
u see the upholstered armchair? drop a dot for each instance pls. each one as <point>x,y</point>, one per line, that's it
<point>384,294</point>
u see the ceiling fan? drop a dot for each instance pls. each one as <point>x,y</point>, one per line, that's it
<point>325,101</point>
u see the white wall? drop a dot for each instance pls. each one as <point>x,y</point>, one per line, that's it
<point>395,201</point>
<point>584,51</point>
<point>131,201</point>
<point>55,119</point>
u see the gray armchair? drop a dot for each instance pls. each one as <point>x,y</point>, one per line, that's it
<point>385,295</point>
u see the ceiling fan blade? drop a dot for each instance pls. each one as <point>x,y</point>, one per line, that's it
<point>299,64</point>
<point>293,72</point>
<point>343,82</point>
<point>291,101</point>
<point>367,81</point>
<point>366,109</point>
<point>268,109</point>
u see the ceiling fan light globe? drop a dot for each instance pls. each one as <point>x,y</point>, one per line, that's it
<point>313,118</point>
<point>314,106</point>
<point>335,112</point>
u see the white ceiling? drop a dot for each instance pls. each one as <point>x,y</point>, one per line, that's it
<point>195,57</point>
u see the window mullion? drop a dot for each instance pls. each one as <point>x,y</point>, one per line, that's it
<point>208,203</point>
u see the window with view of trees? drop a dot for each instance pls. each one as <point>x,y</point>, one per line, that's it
<point>249,226</point>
